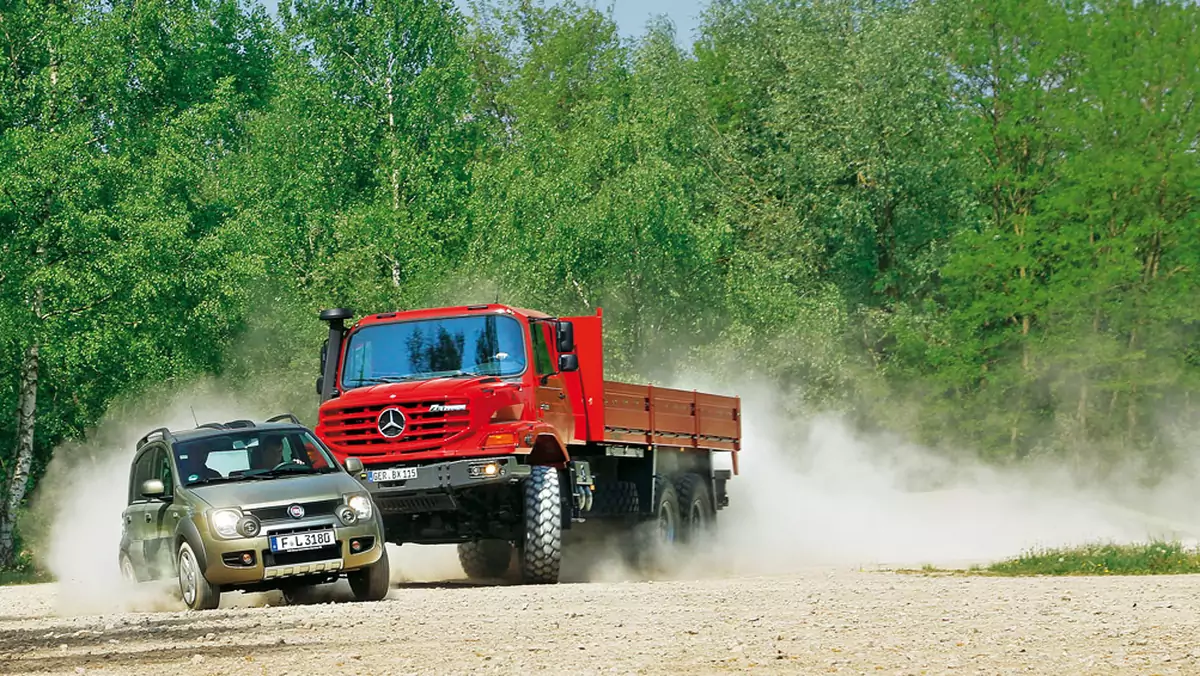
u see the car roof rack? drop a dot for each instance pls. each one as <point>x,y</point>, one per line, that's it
<point>239,424</point>
<point>163,433</point>
<point>285,416</point>
<point>211,426</point>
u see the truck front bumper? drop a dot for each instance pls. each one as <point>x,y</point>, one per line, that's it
<point>435,487</point>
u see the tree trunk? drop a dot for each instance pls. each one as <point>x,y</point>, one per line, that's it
<point>19,479</point>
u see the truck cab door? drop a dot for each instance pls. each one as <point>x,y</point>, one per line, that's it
<point>553,405</point>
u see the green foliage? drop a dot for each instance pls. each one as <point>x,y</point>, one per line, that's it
<point>1153,558</point>
<point>973,222</point>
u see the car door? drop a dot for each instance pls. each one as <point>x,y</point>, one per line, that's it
<point>136,518</point>
<point>161,520</point>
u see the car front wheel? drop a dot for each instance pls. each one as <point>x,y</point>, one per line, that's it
<point>195,590</point>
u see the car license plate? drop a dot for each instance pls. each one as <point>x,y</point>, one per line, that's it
<point>297,541</point>
<point>392,474</point>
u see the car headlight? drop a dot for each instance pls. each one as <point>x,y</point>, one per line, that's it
<point>225,522</point>
<point>361,505</point>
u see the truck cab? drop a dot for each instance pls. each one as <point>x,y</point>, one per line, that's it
<point>481,425</point>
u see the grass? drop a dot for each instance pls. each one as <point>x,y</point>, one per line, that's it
<point>1151,558</point>
<point>23,576</point>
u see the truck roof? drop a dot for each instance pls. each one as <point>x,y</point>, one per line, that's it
<point>450,311</point>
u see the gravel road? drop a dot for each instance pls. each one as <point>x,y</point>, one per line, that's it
<point>813,621</point>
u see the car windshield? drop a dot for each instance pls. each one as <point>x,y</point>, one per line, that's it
<point>249,455</point>
<point>433,348</point>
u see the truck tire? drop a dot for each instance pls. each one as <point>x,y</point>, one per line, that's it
<point>666,513</point>
<point>695,505</point>
<point>484,558</point>
<point>373,582</point>
<point>541,549</point>
<point>615,498</point>
<point>195,590</point>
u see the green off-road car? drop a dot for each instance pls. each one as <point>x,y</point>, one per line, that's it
<point>241,506</point>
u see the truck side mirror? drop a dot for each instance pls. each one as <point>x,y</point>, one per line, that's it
<point>354,465</point>
<point>566,336</point>
<point>568,362</point>
<point>153,489</point>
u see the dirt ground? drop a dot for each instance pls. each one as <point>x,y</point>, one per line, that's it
<point>817,621</point>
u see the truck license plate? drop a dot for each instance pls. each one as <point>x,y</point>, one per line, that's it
<point>297,541</point>
<point>392,474</point>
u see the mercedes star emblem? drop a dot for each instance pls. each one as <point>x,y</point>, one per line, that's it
<point>391,422</point>
<point>296,512</point>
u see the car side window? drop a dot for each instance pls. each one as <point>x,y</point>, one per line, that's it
<point>541,349</point>
<point>143,470</point>
<point>162,471</point>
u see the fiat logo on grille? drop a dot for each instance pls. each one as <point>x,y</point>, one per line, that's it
<point>296,512</point>
<point>391,422</point>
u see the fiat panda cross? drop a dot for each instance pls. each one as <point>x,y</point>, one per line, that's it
<point>242,506</point>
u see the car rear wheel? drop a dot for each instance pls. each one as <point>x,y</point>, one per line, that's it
<point>195,590</point>
<point>373,582</point>
<point>127,572</point>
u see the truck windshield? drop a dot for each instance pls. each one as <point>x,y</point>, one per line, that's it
<point>434,348</point>
<point>250,455</point>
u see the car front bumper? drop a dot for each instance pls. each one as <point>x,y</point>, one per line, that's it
<point>272,567</point>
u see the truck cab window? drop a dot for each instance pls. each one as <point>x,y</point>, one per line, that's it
<point>541,349</point>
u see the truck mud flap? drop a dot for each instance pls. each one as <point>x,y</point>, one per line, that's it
<point>416,504</point>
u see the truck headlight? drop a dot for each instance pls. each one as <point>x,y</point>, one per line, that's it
<point>225,522</point>
<point>361,505</point>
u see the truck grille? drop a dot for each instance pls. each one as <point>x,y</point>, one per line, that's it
<point>355,429</point>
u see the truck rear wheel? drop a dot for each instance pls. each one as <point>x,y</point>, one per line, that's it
<point>484,558</point>
<point>696,506</point>
<point>541,549</point>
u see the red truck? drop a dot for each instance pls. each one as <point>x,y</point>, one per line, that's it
<point>493,427</point>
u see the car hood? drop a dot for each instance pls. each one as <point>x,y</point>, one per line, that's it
<point>284,490</point>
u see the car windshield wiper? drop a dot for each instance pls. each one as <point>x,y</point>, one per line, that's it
<point>295,468</point>
<point>219,479</point>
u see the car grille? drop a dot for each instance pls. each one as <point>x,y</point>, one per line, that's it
<point>355,429</point>
<point>318,508</point>
<point>270,558</point>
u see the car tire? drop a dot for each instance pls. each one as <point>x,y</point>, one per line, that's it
<point>541,548</point>
<point>128,572</point>
<point>195,589</point>
<point>373,582</point>
<point>485,559</point>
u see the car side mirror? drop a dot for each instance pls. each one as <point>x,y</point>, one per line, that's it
<point>153,489</point>
<point>566,336</point>
<point>568,362</point>
<point>354,465</point>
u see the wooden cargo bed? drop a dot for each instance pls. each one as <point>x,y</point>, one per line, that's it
<point>662,416</point>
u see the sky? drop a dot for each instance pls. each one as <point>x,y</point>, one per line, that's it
<point>631,15</point>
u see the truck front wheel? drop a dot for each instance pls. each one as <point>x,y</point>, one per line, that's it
<point>484,558</point>
<point>541,549</point>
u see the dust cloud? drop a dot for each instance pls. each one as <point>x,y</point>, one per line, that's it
<point>814,492</point>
